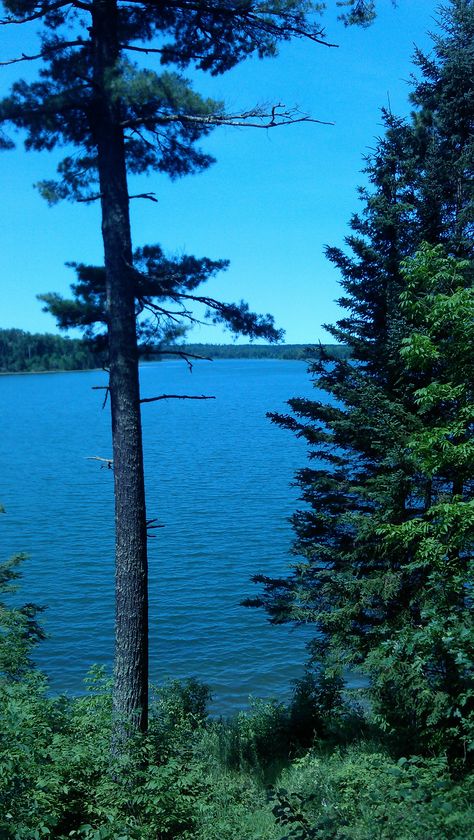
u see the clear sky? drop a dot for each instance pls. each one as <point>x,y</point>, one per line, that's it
<point>270,204</point>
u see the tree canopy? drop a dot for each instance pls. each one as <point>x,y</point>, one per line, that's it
<point>384,543</point>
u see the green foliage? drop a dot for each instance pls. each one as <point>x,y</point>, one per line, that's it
<point>58,778</point>
<point>21,351</point>
<point>164,288</point>
<point>384,545</point>
<point>428,662</point>
<point>362,794</point>
<point>19,628</point>
<point>159,121</point>
<point>197,778</point>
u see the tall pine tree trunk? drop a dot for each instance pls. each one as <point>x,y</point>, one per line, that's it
<point>131,593</point>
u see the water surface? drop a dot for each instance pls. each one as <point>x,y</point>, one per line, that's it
<point>218,477</point>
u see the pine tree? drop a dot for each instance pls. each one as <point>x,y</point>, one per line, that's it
<point>120,118</point>
<point>356,577</point>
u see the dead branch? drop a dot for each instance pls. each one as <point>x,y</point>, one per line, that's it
<point>259,117</point>
<point>185,356</point>
<point>151,524</point>
<point>89,199</point>
<point>146,50</point>
<point>149,195</point>
<point>107,462</point>
<point>105,388</point>
<point>43,54</point>
<point>174,397</point>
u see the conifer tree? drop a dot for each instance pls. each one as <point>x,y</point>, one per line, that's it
<point>116,117</point>
<point>358,577</point>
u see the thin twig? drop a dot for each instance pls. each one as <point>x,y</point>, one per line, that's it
<point>183,355</point>
<point>89,199</point>
<point>105,388</point>
<point>149,195</point>
<point>107,462</point>
<point>53,48</point>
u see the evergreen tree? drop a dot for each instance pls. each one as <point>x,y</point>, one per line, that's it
<point>120,118</point>
<point>19,628</point>
<point>378,553</point>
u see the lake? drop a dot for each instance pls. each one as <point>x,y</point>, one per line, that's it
<point>218,478</point>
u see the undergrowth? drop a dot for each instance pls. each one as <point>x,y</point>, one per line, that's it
<point>270,773</point>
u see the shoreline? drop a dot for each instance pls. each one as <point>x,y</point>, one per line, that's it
<point>161,361</point>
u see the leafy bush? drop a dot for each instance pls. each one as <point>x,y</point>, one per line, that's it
<point>363,794</point>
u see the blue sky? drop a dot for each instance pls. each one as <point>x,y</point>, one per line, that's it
<point>270,204</point>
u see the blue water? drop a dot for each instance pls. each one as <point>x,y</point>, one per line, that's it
<point>218,477</point>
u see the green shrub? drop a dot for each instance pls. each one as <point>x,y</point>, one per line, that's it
<point>363,794</point>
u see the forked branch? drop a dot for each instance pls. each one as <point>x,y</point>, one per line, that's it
<point>258,117</point>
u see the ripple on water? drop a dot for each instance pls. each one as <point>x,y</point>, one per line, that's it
<point>218,478</point>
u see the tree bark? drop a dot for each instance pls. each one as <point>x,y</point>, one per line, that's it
<point>131,570</point>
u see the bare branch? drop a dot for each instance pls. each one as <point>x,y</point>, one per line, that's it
<point>105,388</point>
<point>259,117</point>
<point>206,301</point>
<point>174,397</point>
<point>169,51</point>
<point>107,462</point>
<point>43,53</point>
<point>185,356</point>
<point>150,525</point>
<point>146,50</point>
<point>149,195</point>
<point>89,199</point>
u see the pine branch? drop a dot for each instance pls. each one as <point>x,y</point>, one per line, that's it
<point>46,9</point>
<point>282,25</point>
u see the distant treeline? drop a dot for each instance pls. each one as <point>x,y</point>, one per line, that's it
<point>22,351</point>
<point>260,351</point>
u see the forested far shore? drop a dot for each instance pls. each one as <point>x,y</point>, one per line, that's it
<point>254,351</point>
<point>22,351</point>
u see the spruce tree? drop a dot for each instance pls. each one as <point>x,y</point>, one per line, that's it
<point>371,589</point>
